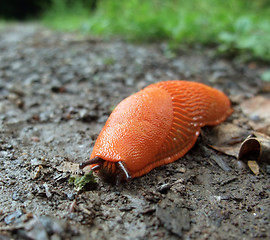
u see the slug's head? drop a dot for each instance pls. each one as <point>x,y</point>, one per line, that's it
<point>108,171</point>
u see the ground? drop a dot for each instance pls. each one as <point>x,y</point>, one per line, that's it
<point>56,92</point>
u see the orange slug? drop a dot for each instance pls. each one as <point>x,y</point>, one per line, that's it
<point>155,126</point>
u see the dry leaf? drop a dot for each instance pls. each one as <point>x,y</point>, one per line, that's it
<point>225,138</point>
<point>263,128</point>
<point>257,109</point>
<point>255,147</point>
<point>265,88</point>
<point>254,167</point>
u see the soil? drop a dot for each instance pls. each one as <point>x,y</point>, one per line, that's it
<point>56,92</point>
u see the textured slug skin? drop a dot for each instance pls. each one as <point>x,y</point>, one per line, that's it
<point>159,124</point>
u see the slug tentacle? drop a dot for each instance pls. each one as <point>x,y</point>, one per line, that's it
<point>124,170</point>
<point>95,168</point>
<point>95,160</point>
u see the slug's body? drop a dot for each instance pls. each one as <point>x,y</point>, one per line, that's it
<point>155,126</point>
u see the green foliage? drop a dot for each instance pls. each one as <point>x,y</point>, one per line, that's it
<point>81,182</point>
<point>2,23</point>
<point>266,76</point>
<point>66,16</point>
<point>248,37</point>
<point>240,26</point>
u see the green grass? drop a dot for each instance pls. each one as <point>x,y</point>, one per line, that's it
<point>2,23</point>
<point>66,17</point>
<point>234,26</point>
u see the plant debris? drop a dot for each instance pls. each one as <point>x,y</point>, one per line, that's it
<point>88,181</point>
<point>256,148</point>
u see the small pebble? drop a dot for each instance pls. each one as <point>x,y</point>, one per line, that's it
<point>13,216</point>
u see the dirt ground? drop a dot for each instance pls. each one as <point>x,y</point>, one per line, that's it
<point>56,92</point>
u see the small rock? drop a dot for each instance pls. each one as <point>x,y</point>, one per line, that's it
<point>71,195</point>
<point>164,188</point>
<point>13,216</point>
<point>32,78</point>
<point>15,196</point>
<point>175,219</point>
<point>87,116</point>
<point>47,190</point>
<point>36,162</point>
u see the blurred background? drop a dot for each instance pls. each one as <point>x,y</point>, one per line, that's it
<point>234,27</point>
